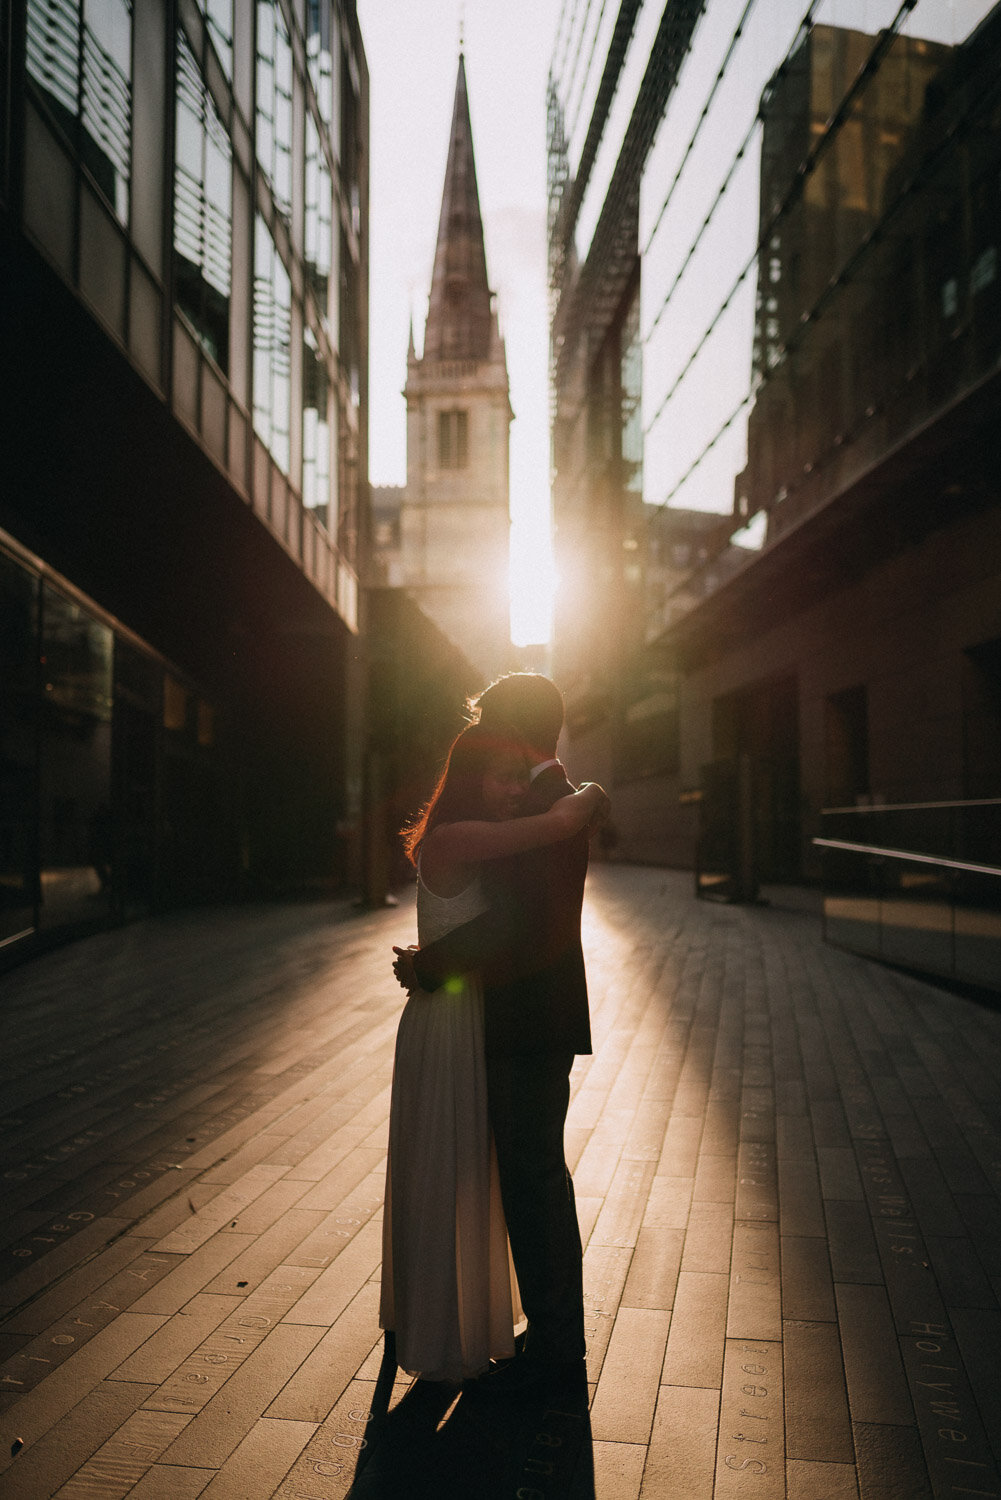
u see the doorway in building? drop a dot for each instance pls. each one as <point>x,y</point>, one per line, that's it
<point>756,733</point>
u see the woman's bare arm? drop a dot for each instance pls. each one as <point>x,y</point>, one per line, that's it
<point>471,842</point>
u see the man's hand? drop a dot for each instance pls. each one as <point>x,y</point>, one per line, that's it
<point>603,810</point>
<point>403,968</point>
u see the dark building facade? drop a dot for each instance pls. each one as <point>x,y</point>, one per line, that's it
<point>818,331</point>
<point>183,293</point>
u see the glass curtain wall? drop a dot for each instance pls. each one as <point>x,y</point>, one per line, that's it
<point>806,241</point>
<point>114,795</point>
<point>818,231</point>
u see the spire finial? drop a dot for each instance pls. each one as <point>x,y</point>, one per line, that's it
<point>462,27</point>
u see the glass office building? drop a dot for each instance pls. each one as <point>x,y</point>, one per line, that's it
<point>183,231</point>
<point>776,320</point>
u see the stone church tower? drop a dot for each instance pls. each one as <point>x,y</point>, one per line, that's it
<point>455,515</point>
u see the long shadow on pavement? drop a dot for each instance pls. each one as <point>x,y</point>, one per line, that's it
<point>434,1444</point>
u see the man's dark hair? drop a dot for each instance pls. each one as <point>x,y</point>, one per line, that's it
<point>529,703</point>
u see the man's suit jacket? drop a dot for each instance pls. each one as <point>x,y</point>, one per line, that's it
<point>526,946</point>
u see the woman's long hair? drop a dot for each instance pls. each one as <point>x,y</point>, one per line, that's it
<point>458,795</point>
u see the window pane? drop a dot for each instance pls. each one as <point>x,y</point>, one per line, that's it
<point>315,431</point>
<point>319,211</point>
<point>203,214</point>
<point>107,98</point>
<point>272,346</point>
<point>219,18</point>
<point>18,728</point>
<point>81,59</point>
<point>453,439</point>
<point>274,102</point>
<point>323,60</point>
<point>52,54</point>
<point>75,780</point>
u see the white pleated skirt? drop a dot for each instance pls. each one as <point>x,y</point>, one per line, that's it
<point>448,1286</point>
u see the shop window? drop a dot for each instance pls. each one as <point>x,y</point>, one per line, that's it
<point>76,658</point>
<point>76,825</point>
<point>18,729</point>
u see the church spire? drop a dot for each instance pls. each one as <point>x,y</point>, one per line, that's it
<point>460,319</point>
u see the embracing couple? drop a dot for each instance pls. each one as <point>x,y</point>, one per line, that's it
<point>496,1010</point>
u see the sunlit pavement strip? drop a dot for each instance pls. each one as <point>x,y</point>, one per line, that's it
<point>787,1164</point>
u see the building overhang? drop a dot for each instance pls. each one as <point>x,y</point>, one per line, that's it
<point>947,468</point>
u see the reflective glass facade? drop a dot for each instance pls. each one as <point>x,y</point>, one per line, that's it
<point>789,172</point>
<point>92,727</point>
<point>773,243</point>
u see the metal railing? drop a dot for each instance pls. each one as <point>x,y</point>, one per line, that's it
<point>917,884</point>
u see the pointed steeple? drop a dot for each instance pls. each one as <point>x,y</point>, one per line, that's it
<point>460,320</point>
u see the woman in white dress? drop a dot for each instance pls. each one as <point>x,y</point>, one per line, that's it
<point>448,1288</point>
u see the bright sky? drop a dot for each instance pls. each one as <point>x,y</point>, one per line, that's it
<point>413,48</point>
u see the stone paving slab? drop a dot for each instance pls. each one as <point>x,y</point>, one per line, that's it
<point>788,1170</point>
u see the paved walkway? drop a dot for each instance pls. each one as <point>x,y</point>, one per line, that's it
<point>788,1165</point>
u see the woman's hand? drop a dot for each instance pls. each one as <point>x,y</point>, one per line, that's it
<point>403,968</point>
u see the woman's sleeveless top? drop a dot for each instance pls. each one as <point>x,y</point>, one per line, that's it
<point>437,915</point>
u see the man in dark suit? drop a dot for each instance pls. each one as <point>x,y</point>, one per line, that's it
<point>527,950</point>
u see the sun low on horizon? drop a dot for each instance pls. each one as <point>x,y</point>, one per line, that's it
<point>532,579</point>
